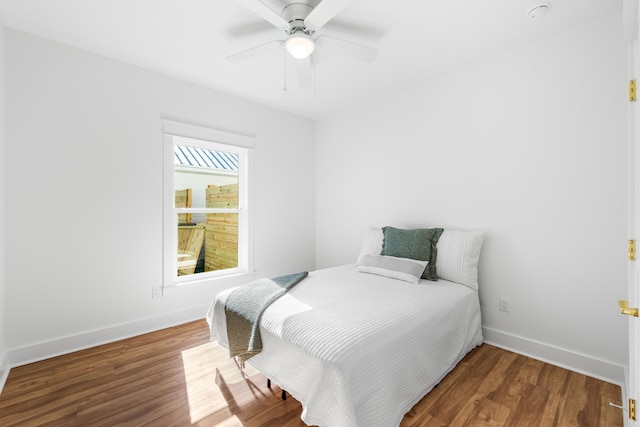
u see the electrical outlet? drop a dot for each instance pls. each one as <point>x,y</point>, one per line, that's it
<point>156,292</point>
<point>503,304</point>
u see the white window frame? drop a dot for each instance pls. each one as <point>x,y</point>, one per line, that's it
<point>177,133</point>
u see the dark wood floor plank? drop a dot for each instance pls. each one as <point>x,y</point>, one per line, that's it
<point>487,414</point>
<point>554,378</point>
<point>531,406</point>
<point>549,416</point>
<point>571,408</point>
<point>176,377</point>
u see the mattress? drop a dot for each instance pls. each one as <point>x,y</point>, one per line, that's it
<point>359,349</point>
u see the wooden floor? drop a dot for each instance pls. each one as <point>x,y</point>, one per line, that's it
<point>176,377</point>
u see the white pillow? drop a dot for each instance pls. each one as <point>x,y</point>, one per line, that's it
<point>372,244</point>
<point>458,255</point>
<point>409,270</point>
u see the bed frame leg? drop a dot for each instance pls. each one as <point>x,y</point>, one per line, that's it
<point>284,392</point>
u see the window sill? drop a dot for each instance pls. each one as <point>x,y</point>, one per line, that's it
<point>211,283</point>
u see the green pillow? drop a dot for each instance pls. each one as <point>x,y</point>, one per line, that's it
<point>417,244</point>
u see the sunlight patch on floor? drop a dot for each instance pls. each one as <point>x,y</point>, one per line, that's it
<point>207,385</point>
<point>204,396</point>
<point>232,421</point>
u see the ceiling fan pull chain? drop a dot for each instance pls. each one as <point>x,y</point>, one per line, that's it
<point>285,69</point>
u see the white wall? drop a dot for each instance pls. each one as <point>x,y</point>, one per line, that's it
<point>528,145</point>
<point>3,368</point>
<point>84,194</point>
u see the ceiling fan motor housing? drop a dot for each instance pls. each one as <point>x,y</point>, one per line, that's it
<point>294,14</point>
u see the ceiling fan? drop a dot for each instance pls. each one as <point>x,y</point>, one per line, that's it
<point>300,23</point>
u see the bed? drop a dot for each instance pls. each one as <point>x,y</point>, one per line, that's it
<point>360,346</point>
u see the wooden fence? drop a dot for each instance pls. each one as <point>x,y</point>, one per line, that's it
<point>183,200</point>
<point>219,231</point>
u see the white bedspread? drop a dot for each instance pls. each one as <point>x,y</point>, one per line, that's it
<point>358,349</point>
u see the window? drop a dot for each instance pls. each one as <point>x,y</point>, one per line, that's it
<point>207,221</point>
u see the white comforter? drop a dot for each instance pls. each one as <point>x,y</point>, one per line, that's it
<point>358,349</point>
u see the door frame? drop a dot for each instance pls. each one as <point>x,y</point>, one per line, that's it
<point>631,389</point>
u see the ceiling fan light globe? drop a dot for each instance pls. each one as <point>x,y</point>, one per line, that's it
<point>300,46</point>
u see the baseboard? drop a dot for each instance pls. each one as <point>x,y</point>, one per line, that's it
<point>59,346</point>
<point>581,363</point>
<point>4,369</point>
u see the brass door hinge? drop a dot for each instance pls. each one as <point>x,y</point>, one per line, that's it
<point>632,90</point>
<point>625,309</point>
<point>632,250</point>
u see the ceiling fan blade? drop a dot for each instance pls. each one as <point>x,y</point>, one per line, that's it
<point>305,72</point>
<point>351,49</point>
<point>349,29</point>
<point>254,51</point>
<point>266,13</point>
<point>323,12</point>
<point>258,27</point>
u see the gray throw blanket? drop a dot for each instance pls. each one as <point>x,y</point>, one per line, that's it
<point>244,307</point>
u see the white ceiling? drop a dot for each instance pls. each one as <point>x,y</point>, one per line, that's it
<point>189,39</point>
